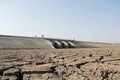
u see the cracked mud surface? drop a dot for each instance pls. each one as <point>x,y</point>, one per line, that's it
<point>62,64</point>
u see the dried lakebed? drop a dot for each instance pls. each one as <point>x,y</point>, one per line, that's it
<point>61,64</point>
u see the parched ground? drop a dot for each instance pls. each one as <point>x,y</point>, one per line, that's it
<point>61,64</point>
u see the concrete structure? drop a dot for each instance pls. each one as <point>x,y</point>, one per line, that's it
<point>61,43</point>
<point>16,42</point>
<point>19,42</point>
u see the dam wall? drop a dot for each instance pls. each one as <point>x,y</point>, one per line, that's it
<point>17,42</point>
<point>20,42</point>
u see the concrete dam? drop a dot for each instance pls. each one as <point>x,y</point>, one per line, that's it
<point>19,42</point>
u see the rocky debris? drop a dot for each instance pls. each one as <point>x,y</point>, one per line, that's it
<point>34,69</point>
<point>4,68</point>
<point>15,63</point>
<point>90,55</point>
<point>12,74</point>
<point>76,76</point>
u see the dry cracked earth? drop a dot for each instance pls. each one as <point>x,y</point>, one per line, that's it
<point>61,64</point>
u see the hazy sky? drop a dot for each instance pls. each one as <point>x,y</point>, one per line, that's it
<point>86,20</point>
